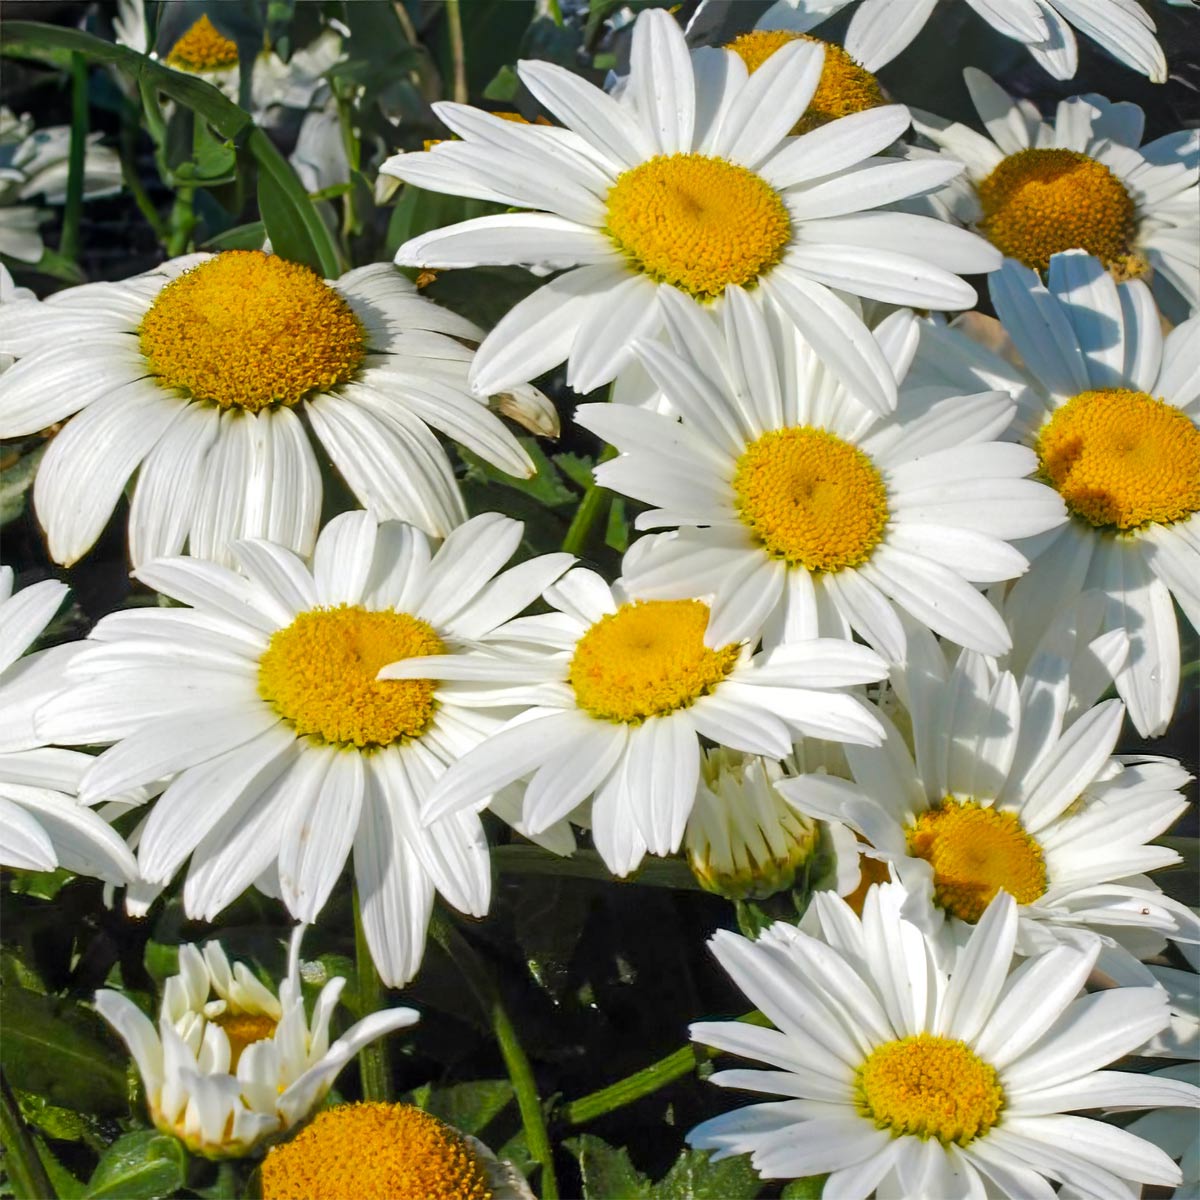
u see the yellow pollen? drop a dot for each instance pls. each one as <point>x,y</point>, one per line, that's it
<point>930,1087</point>
<point>375,1152</point>
<point>1039,202</point>
<point>319,673</point>
<point>203,48</point>
<point>975,852</point>
<point>811,498</point>
<point>248,330</point>
<point>1122,459</point>
<point>844,87</point>
<point>646,660</point>
<point>244,1029</point>
<point>697,223</point>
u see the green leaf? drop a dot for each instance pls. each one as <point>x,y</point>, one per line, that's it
<point>805,1189</point>
<point>139,1166</point>
<point>15,481</point>
<point>240,237</point>
<point>616,534</point>
<point>58,1049</point>
<point>546,487</point>
<point>65,1184</point>
<point>606,1170</point>
<point>285,224</point>
<point>504,86</point>
<point>576,467</point>
<point>470,1107</point>
<point>61,1124</point>
<point>693,1177</point>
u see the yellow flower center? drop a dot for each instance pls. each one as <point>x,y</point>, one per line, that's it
<point>203,48</point>
<point>975,852</point>
<point>1122,459</point>
<point>844,88</point>
<point>247,330</point>
<point>811,498</point>
<point>1039,202</point>
<point>244,1029</point>
<point>697,223</point>
<point>319,673</point>
<point>930,1087</point>
<point>646,660</point>
<point>375,1152</point>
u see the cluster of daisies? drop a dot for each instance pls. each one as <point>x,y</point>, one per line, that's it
<point>892,565</point>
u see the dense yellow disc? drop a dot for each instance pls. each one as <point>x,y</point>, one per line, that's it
<point>203,48</point>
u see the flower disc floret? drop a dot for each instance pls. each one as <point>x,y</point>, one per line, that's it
<point>244,1029</point>
<point>247,330</point>
<point>975,851</point>
<point>646,660</point>
<point>811,498</point>
<point>1037,203</point>
<point>203,48</point>
<point>697,223</point>
<point>319,674</point>
<point>927,1086</point>
<point>844,87</point>
<point>375,1152</point>
<point>1122,459</point>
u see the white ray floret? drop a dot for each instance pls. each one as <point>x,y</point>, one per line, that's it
<point>207,378</point>
<point>283,755</point>
<point>802,514</point>
<point>231,1064</point>
<point>917,1078</point>
<point>688,181</point>
<point>618,692</point>
<point>42,825</point>
<point>1113,409</point>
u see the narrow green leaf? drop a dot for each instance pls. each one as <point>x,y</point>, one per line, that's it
<point>289,234</point>
<point>140,1166</point>
<point>469,1106</point>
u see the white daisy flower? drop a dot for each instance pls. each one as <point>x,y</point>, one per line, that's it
<point>688,182</point>
<point>1176,1131</point>
<point>42,826</point>
<point>231,1064</point>
<point>881,29</point>
<point>207,376</point>
<point>918,1080</point>
<point>1003,787</point>
<point>1084,182</point>
<point>1112,409</point>
<point>387,1152</point>
<point>801,513</point>
<point>619,691</point>
<point>260,705</point>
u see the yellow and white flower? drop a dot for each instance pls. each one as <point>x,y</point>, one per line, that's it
<point>881,29</point>
<point>804,515</point>
<point>617,691</point>
<point>259,704</point>
<point>1112,409</point>
<point>231,1064</point>
<point>1011,784</point>
<point>921,1078</point>
<point>387,1152</point>
<point>689,183</point>
<point>1035,189</point>
<point>42,825</point>
<point>207,376</point>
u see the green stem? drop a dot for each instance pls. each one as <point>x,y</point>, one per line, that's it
<point>228,1185</point>
<point>26,1175</point>
<point>183,220</point>
<point>649,1079</point>
<point>68,245</point>
<point>137,190</point>
<point>520,1072</point>
<point>457,51</point>
<point>594,501</point>
<point>373,1065</point>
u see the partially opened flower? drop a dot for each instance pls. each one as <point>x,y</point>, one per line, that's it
<point>208,376</point>
<point>1112,410</point>
<point>927,1079</point>
<point>617,692</point>
<point>800,513</point>
<point>231,1064</point>
<point>1086,182</point>
<point>387,1152</point>
<point>689,182</point>
<point>1000,790</point>
<point>42,825</point>
<point>259,704</point>
<point>881,29</point>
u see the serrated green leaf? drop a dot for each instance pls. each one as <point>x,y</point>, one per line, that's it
<point>606,1170</point>
<point>140,1166</point>
<point>62,1124</point>
<point>15,482</point>
<point>58,1049</point>
<point>470,1107</point>
<point>576,467</point>
<point>546,487</point>
<point>693,1177</point>
<point>809,1188</point>
<point>66,1186</point>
